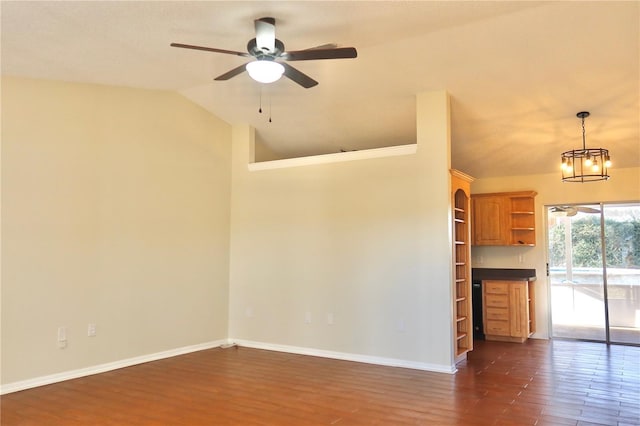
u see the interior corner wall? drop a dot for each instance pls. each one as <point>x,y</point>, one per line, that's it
<point>115,211</point>
<point>349,258</point>
<point>624,185</point>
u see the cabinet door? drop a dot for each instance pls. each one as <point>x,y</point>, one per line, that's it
<point>519,310</point>
<point>490,221</point>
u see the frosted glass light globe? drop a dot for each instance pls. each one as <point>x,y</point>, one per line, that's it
<point>265,71</point>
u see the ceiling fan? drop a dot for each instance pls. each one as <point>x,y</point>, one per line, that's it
<point>572,210</point>
<point>269,53</point>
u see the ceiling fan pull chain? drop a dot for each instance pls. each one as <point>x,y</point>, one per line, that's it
<point>260,108</point>
<point>269,109</point>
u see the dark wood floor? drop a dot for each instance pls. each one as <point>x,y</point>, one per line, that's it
<point>538,382</point>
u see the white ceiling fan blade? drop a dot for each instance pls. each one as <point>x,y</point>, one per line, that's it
<point>571,211</point>
<point>266,34</point>
<point>587,209</point>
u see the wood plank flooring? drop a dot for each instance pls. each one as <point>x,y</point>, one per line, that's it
<point>535,383</point>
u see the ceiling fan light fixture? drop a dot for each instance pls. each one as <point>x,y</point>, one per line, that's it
<point>265,71</point>
<point>586,164</point>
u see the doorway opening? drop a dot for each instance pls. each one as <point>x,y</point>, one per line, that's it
<point>594,271</point>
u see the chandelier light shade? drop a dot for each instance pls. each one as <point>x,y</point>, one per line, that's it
<point>586,164</point>
<point>265,71</point>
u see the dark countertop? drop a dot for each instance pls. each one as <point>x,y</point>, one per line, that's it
<point>479,274</point>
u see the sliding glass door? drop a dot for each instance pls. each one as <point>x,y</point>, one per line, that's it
<point>594,271</point>
<point>622,242</point>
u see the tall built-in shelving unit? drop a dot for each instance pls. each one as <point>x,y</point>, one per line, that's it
<point>462,309</point>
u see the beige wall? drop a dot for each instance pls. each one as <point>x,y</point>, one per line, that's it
<point>624,185</point>
<point>366,241</point>
<point>264,153</point>
<point>115,211</point>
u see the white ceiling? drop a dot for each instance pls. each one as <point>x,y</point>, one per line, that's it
<point>517,71</point>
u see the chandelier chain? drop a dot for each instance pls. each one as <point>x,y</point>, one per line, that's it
<point>584,137</point>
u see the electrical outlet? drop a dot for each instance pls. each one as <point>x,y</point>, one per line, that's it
<point>91,330</point>
<point>330,318</point>
<point>307,317</point>
<point>62,337</point>
<point>248,312</point>
<point>400,326</point>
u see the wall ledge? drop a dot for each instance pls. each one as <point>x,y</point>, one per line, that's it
<point>367,359</point>
<point>338,157</point>
<point>103,368</point>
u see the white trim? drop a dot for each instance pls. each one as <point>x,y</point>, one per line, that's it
<point>367,359</point>
<point>390,151</point>
<point>101,368</point>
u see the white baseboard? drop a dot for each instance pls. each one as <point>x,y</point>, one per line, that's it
<point>389,362</point>
<point>101,368</point>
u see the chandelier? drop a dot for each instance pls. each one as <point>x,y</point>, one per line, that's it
<point>586,164</point>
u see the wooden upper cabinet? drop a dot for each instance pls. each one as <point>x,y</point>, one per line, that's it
<point>503,219</point>
<point>489,221</point>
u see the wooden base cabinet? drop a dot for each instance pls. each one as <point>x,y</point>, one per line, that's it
<point>508,310</point>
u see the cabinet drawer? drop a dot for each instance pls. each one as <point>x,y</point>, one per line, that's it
<point>498,314</point>
<point>496,300</point>
<point>498,328</point>
<point>494,287</point>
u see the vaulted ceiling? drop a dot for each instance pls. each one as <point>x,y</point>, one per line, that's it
<point>517,71</point>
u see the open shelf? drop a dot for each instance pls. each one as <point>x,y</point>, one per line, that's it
<point>523,221</point>
<point>461,201</point>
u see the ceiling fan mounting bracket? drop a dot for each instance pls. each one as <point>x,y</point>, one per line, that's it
<point>254,50</point>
